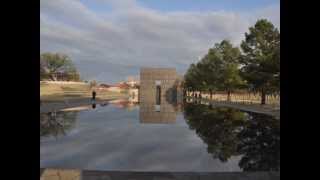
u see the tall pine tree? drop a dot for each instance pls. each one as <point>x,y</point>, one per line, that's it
<point>261,58</point>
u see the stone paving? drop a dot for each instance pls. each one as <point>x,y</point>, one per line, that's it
<point>74,174</point>
<point>60,174</point>
<point>57,106</point>
<point>256,108</point>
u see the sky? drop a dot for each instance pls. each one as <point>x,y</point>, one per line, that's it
<point>109,40</point>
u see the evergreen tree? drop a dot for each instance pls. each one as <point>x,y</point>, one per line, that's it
<point>261,58</point>
<point>218,70</point>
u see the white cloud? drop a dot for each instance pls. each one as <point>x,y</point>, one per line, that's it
<point>131,35</point>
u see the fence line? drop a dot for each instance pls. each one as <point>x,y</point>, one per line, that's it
<point>245,98</point>
<point>62,82</point>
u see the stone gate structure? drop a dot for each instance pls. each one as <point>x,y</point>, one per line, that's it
<point>158,95</point>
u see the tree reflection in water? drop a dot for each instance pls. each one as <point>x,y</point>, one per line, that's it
<point>53,124</point>
<point>217,127</point>
<point>230,132</point>
<point>260,144</point>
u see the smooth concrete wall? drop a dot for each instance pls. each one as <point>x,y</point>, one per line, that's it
<point>148,78</point>
<point>147,94</point>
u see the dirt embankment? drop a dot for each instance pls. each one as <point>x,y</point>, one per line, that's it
<point>59,95</point>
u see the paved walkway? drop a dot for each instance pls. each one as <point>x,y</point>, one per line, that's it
<point>256,108</point>
<point>56,106</point>
<point>73,174</point>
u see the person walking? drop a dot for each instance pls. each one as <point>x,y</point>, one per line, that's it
<point>93,99</point>
<point>94,95</point>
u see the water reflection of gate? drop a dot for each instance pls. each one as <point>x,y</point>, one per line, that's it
<point>148,113</point>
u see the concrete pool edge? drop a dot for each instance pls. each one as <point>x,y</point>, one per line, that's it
<point>48,173</point>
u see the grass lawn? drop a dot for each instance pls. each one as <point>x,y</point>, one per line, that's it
<point>62,92</point>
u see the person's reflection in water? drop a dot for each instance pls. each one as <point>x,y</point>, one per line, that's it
<point>104,104</point>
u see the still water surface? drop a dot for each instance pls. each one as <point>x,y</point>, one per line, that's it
<point>130,137</point>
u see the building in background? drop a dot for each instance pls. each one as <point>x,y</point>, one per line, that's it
<point>104,86</point>
<point>133,82</point>
<point>133,95</point>
<point>119,87</point>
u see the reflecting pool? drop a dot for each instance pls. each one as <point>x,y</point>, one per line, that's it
<point>126,136</point>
